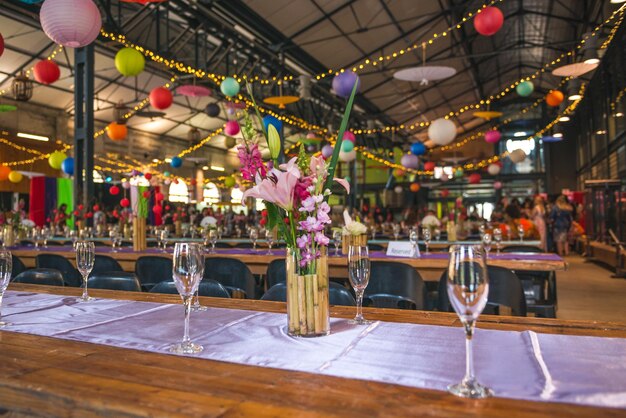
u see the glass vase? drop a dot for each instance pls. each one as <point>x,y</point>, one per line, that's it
<point>307,295</point>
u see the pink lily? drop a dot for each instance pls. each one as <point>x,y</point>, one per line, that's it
<point>344,183</point>
<point>277,187</point>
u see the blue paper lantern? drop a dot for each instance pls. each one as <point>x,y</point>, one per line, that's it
<point>108,179</point>
<point>418,148</point>
<point>68,166</point>
<point>347,146</point>
<point>271,120</point>
<point>344,82</point>
<point>31,1</point>
<point>177,162</point>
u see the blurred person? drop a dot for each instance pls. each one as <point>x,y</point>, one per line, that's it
<point>538,216</point>
<point>561,217</point>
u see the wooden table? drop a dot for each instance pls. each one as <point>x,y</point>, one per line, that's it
<point>52,377</point>
<point>338,266</point>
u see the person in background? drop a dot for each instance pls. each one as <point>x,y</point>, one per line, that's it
<point>60,218</point>
<point>561,217</point>
<point>431,220</point>
<point>538,216</point>
<point>527,208</point>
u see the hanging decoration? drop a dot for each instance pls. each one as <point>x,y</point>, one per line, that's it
<point>487,114</point>
<point>116,131</point>
<point>46,72</point>
<point>552,138</point>
<point>68,166</point>
<point>212,109</point>
<point>525,88</point>
<point>492,136</point>
<point>474,178</point>
<point>231,128</point>
<point>489,21</point>
<point>114,190</point>
<point>497,185</point>
<point>191,90</point>
<point>129,62</point>
<point>4,172</point>
<point>409,161</point>
<point>327,151</point>
<point>415,187</point>
<point>56,159</point>
<point>281,101</point>
<point>176,162</point>
<point>442,131</point>
<point>161,98</point>
<point>347,146</point>
<point>425,73</point>
<point>1,45</point>
<point>458,173</point>
<point>271,120</point>
<point>349,136</point>
<point>398,173</point>
<point>344,82</point>
<point>517,156</point>
<point>554,98</point>
<point>22,87</point>
<point>194,135</point>
<point>15,176</point>
<point>120,111</point>
<point>229,87</point>
<point>493,169</point>
<point>398,189</point>
<point>347,157</point>
<point>71,23</point>
<point>229,181</point>
<point>124,202</point>
<point>429,166</point>
<point>418,148</point>
<point>445,193</point>
<point>575,70</point>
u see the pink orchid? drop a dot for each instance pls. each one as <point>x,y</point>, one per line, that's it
<point>311,224</point>
<point>321,239</point>
<point>278,188</point>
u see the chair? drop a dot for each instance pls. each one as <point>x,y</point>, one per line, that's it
<point>99,243</point>
<point>71,277</point>
<point>222,245</point>
<point>375,247</point>
<point>233,274</point>
<point>104,263</point>
<point>276,272</point>
<point>17,266</point>
<point>505,289</point>
<point>27,243</point>
<point>115,280</point>
<point>243,245</point>
<point>152,270</point>
<point>337,294</point>
<point>207,287</point>
<point>395,285</point>
<point>49,277</point>
<point>521,249</point>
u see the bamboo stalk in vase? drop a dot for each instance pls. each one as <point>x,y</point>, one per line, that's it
<point>310,312</point>
<point>316,303</point>
<point>301,305</point>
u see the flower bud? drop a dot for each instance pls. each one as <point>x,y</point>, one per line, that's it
<point>273,141</point>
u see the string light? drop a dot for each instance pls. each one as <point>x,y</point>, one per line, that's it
<point>50,57</point>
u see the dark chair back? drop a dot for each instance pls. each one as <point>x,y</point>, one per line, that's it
<point>98,243</point>
<point>277,293</point>
<point>521,249</point>
<point>71,277</point>
<point>207,287</point>
<point>232,273</point>
<point>50,277</point>
<point>222,245</point>
<point>337,294</point>
<point>115,280</point>
<point>395,285</point>
<point>104,263</point>
<point>276,272</point>
<point>152,270</point>
<point>375,247</point>
<point>17,266</point>
<point>243,245</point>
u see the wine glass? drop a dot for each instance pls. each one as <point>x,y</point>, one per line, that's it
<point>46,234</point>
<point>213,239</point>
<point>269,236</point>
<point>254,235</point>
<point>497,237</point>
<point>36,235</point>
<point>6,263</point>
<point>396,231</point>
<point>437,234</point>
<point>163,234</point>
<point>520,232</point>
<point>427,237</point>
<point>186,279</point>
<point>359,275</point>
<point>373,230</point>
<point>113,236</point>
<point>413,239</point>
<point>85,257</point>
<point>196,307</point>
<point>337,237</point>
<point>486,241</point>
<point>468,289</point>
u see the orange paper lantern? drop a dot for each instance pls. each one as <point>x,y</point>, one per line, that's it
<point>415,187</point>
<point>4,172</point>
<point>554,98</point>
<point>117,131</point>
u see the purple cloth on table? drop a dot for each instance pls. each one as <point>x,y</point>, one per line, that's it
<point>520,365</point>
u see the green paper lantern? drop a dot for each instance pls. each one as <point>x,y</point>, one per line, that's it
<point>229,181</point>
<point>56,159</point>
<point>525,88</point>
<point>458,173</point>
<point>347,146</point>
<point>229,87</point>
<point>129,62</point>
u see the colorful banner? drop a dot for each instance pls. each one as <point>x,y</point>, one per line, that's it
<point>65,194</point>
<point>37,210</point>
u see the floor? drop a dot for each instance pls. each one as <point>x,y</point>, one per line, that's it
<point>587,291</point>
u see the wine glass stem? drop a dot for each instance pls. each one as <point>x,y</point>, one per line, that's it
<point>213,248</point>
<point>187,303</point>
<point>197,300</point>
<point>85,294</point>
<point>469,360</point>
<point>359,304</point>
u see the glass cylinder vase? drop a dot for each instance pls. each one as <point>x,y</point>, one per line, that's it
<point>308,310</point>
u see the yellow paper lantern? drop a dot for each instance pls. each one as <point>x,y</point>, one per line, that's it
<point>15,176</point>
<point>56,159</point>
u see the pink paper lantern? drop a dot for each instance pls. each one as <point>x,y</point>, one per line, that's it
<point>1,45</point>
<point>497,185</point>
<point>492,136</point>
<point>349,136</point>
<point>71,23</point>
<point>231,128</point>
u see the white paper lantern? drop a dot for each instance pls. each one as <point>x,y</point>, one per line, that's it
<point>442,131</point>
<point>493,169</point>
<point>71,23</point>
<point>347,157</point>
<point>517,156</point>
<point>409,161</point>
<point>398,189</point>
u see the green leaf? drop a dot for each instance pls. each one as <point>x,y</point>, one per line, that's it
<point>276,219</point>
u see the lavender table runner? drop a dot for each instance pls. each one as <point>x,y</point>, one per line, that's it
<point>519,365</point>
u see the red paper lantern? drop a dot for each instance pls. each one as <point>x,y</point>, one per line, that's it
<point>161,98</point>
<point>148,176</point>
<point>194,182</point>
<point>96,208</point>
<point>415,187</point>
<point>554,98</point>
<point>488,21</point>
<point>167,207</point>
<point>81,207</point>
<point>429,166</point>
<point>157,209</point>
<point>445,193</point>
<point>124,203</point>
<point>1,45</point>
<point>46,72</point>
<point>146,194</point>
<point>114,190</point>
<point>116,131</point>
<point>89,215</point>
<point>159,197</point>
<point>76,213</point>
<point>474,178</point>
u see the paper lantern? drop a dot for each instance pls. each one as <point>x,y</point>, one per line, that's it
<point>493,169</point>
<point>488,21</point>
<point>114,190</point>
<point>176,162</point>
<point>415,187</point>
<point>15,176</point>
<point>126,185</point>
<point>327,151</point>
<point>46,72</point>
<point>166,174</point>
<point>56,159</point>
<point>229,87</point>
<point>492,136</point>
<point>347,146</point>
<point>445,193</point>
<point>444,177</point>
<point>146,194</point>
<point>157,209</point>
<point>193,182</point>
<point>230,142</point>
<point>4,172</point>
<point>525,88</point>
<point>124,203</point>
<point>398,173</point>
<point>517,156</point>
<point>229,181</point>
<point>68,166</point>
<point>344,82</point>
<point>474,178</point>
<point>212,109</point>
<point>159,197</point>
<point>497,185</point>
<point>347,157</point>
<point>409,161</point>
<point>71,23</point>
<point>458,173</point>
<point>398,189</point>
<point>442,131</point>
<point>161,98</point>
<point>95,207</point>
<point>1,45</point>
<point>129,62</point>
<point>147,176</point>
<point>116,131</point>
<point>231,128</point>
<point>429,166</point>
<point>349,136</point>
<point>271,120</point>
<point>418,148</point>
<point>554,98</point>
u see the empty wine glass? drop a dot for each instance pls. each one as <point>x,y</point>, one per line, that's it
<point>337,237</point>
<point>427,237</point>
<point>186,279</point>
<point>396,231</point>
<point>196,307</point>
<point>359,275</point>
<point>36,235</point>
<point>254,235</point>
<point>213,239</point>
<point>497,237</point>
<point>113,236</point>
<point>6,263</point>
<point>520,232</point>
<point>74,237</point>
<point>85,257</point>
<point>468,289</point>
<point>413,239</point>
<point>373,231</point>
<point>163,234</point>
<point>437,234</point>
<point>46,234</point>
<point>486,241</point>
<point>269,236</point>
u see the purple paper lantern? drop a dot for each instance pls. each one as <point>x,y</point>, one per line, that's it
<point>327,151</point>
<point>409,161</point>
<point>493,136</point>
<point>71,23</point>
<point>344,82</point>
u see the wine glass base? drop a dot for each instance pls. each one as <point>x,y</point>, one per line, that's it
<point>198,308</point>
<point>472,390</point>
<point>85,299</point>
<point>4,324</point>
<point>359,321</point>
<point>186,348</point>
